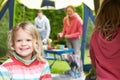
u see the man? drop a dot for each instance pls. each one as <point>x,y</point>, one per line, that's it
<point>43,25</point>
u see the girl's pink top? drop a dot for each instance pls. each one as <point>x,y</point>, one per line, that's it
<point>105,56</point>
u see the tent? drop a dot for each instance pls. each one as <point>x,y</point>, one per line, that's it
<point>87,13</point>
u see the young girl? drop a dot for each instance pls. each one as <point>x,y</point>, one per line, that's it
<point>26,62</point>
<point>105,41</point>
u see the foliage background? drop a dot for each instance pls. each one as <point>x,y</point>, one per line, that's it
<point>3,34</point>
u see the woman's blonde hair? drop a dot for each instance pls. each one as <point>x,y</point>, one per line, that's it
<point>68,20</point>
<point>70,6</point>
<point>30,29</point>
<point>108,18</point>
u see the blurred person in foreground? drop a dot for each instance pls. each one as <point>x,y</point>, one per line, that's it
<point>104,43</point>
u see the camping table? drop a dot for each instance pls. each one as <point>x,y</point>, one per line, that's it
<point>57,52</point>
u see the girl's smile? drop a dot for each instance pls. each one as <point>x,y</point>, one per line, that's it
<point>23,44</point>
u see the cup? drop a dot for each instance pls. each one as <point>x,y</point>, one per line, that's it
<point>62,46</point>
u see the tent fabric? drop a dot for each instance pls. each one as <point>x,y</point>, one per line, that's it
<point>58,4</point>
<point>89,3</point>
<point>2,3</point>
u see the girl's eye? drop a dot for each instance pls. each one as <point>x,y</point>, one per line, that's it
<point>19,40</point>
<point>29,40</point>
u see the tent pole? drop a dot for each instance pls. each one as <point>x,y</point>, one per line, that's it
<point>87,14</point>
<point>11,13</point>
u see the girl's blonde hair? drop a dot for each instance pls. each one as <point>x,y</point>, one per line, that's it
<point>108,18</point>
<point>30,29</point>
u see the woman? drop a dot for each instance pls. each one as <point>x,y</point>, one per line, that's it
<point>72,31</point>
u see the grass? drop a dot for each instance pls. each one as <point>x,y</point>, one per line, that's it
<point>59,66</point>
<point>87,57</point>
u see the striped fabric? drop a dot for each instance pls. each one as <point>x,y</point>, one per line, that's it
<point>14,69</point>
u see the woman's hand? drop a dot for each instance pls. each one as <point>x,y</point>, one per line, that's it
<point>66,36</point>
<point>59,36</point>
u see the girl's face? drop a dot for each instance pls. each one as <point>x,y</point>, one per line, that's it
<point>69,12</point>
<point>23,44</point>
